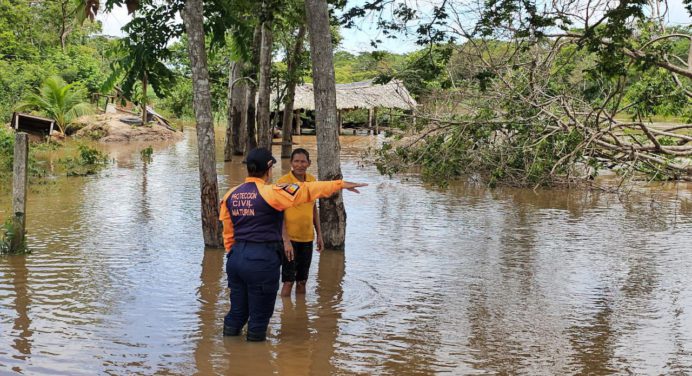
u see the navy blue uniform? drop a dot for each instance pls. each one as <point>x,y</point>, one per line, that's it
<point>252,215</point>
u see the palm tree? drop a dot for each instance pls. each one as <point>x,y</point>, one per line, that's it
<point>61,101</point>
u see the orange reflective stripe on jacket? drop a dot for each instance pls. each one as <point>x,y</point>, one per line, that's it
<point>279,197</point>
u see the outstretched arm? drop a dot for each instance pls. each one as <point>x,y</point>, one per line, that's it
<point>282,197</point>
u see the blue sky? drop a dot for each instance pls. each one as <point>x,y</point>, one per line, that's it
<point>358,40</point>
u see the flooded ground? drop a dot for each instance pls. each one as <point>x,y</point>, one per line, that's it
<point>461,281</point>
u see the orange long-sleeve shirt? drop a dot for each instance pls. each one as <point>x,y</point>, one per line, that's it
<point>280,197</point>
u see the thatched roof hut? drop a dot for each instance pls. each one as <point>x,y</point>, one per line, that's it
<point>364,94</point>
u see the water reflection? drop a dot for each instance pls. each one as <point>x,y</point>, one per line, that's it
<point>211,293</point>
<point>462,280</point>
<point>593,339</point>
<point>21,328</point>
<point>328,308</point>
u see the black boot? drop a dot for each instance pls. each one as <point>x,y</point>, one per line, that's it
<point>230,332</point>
<point>256,337</point>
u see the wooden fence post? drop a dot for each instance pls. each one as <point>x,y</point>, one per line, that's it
<point>19,184</point>
<point>299,122</point>
<point>370,119</point>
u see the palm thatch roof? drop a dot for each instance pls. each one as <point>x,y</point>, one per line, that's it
<point>364,94</point>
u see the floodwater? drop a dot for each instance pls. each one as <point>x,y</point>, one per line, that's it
<point>463,280</point>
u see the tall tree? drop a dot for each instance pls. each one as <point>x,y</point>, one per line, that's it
<point>235,143</point>
<point>141,54</point>
<point>250,99</point>
<point>563,84</point>
<point>264,131</point>
<point>192,15</point>
<point>332,212</point>
<point>291,81</point>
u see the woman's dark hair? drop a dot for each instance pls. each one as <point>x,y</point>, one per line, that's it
<point>300,151</point>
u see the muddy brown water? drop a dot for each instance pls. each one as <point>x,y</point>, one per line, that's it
<point>461,281</point>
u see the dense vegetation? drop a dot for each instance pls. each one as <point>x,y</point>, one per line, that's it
<point>541,104</point>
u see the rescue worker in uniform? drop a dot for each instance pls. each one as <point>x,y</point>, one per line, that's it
<point>252,216</point>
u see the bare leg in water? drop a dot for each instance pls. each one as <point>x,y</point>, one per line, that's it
<point>300,287</point>
<point>288,286</point>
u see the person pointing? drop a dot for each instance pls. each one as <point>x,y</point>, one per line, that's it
<point>252,217</point>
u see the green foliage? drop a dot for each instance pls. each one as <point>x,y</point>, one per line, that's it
<point>526,158</point>
<point>7,235</point>
<point>365,66</point>
<point>34,168</point>
<point>141,55</point>
<point>88,161</point>
<point>146,154</point>
<point>30,50</point>
<point>656,93</point>
<point>58,100</point>
<point>6,150</point>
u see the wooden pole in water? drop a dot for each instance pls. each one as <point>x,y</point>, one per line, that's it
<point>340,120</point>
<point>19,184</point>
<point>370,119</point>
<point>377,125</point>
<point>298,121</point>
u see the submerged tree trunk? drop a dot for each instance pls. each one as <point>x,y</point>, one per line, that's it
<point>236,103</point>
<point>251,95</point>
<point>193,21</point>
<point>292,67</point>
<point>332,213</point>
<point>264,131</point>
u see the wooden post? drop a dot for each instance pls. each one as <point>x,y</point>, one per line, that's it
<point>339,120</point>
<point>377,125</point>
<point>370,119</point>
<point>19,183</point>
<point>299,122</point>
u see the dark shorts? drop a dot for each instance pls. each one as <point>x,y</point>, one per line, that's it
<point>299,268</point>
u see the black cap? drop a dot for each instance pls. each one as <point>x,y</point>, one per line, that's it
<point>259,160</point>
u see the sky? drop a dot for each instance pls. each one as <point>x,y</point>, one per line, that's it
<point>358,39</point>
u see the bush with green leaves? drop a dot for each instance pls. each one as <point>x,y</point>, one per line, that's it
<point>88,161</point>
<point>7,238</point>
<point>6,150</point>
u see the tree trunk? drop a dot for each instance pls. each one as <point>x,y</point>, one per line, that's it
<point>236,103</point>
<point>239,130</point>
<point>332,213</point>
<point>264,131</point>
<point>64,28</point>
<point>144,99</point>
<point>292,67</point>
<point>251,96</point>
<point>228,140</point>
<point>193,21</point>
<point>299,123</point>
